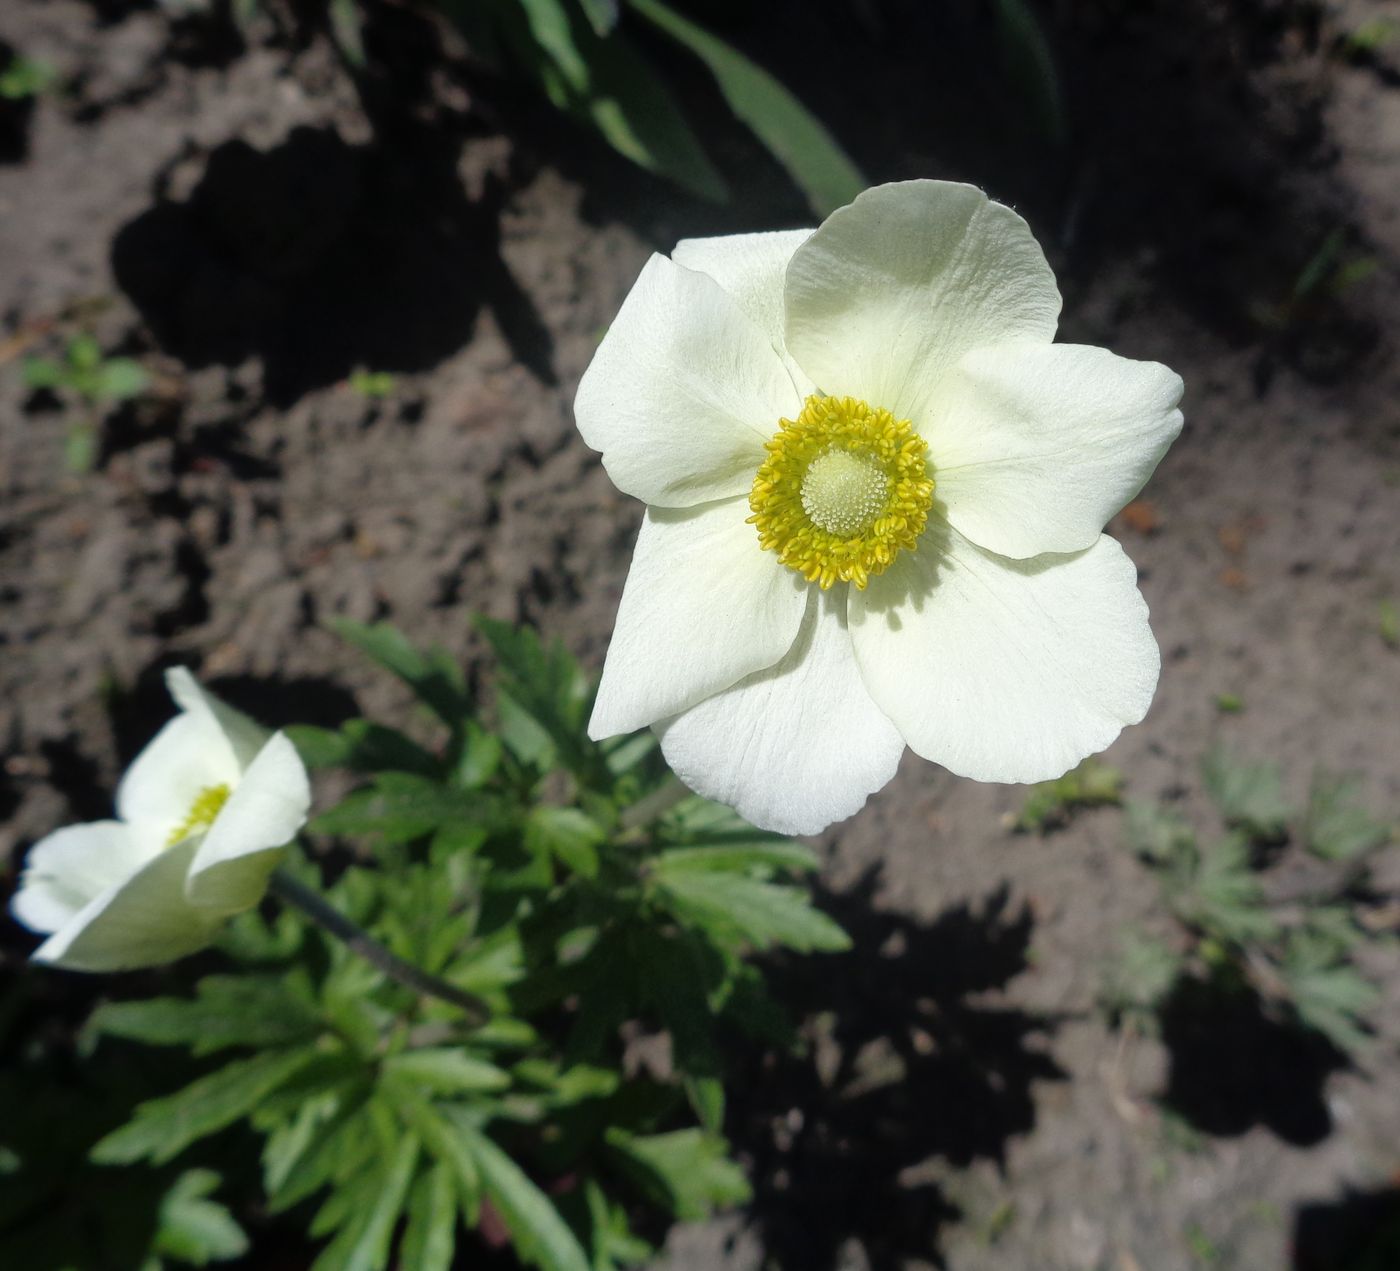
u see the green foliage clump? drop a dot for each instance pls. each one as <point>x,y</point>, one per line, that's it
<point>26,77</point>
<point>597,920</point>
<point>97,381</point>
<point>1292,940</point>
<point>1052,803</point>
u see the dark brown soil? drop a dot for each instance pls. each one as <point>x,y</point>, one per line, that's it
<point>254,226</point>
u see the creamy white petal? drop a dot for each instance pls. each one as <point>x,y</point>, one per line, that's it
<point>72,866</point>
<point>1035,446</point>
<point>683,391</point>
<point>189,755</point>
<point>752,268</point>
<point>703,607</point>
<point>795,747</point>
<point>1006,670</point>
<point>245,736</point>
<point>893,289</point>
<point>231,867</point>
<point>142,921</point>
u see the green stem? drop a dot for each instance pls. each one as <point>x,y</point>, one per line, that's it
<point>655,805</point>
<point>297,895</point>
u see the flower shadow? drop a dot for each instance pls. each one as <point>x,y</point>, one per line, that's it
<point>903,1075</point>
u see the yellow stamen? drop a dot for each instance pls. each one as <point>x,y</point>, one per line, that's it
<point>206,806</point>
<point>844,490</point>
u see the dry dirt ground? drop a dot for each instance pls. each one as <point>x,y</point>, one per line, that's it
<point>254,226</point>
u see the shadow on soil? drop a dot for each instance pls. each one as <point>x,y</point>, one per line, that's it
<point>1360,1232</point>
<point>1234,1067</point>
<point>902,1075</point>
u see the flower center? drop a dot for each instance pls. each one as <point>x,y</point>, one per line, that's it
<point>844,489</point>
<point>206,806</point>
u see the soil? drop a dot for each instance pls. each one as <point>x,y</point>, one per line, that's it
<point>255,223</point>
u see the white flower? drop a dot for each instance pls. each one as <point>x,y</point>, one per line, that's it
<point>875,491</point>
<point>204,811</point>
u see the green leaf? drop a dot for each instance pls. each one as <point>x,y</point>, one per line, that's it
<point>1249,795</point>
<point>762,913</point>
<point>569,834</point>
<point>553,31</point>
<point>120,379</point>
<point>430,1237</point>
<point>228,1010</point>
<point>1141,976</point>
<point>1226,898</point>
<point>346,30</point>
<point>401,807</point>
<point>26,77</point>
<point>547,686</point>
<point>42,372</point>
<point>443,1140</point>
<point>362,1243</point>
<point>763,858</point>
<point>1338,827</point>
<point>194,1229</point>
<point>1328,993</point>
<point>446,1070</point>
<point>1092,784</point>
<point>163,1128</point>
<point>794,136</point>
<point>541,1236</point>
<point>362,746</point>
<point>434,676</point>
<point>1157,834</point>
<point>601,14</point>
<point>688,1172</point>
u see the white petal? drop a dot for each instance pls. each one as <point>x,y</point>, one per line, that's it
<point>703,607</point>
<point>1035,446</point>
<point>683,391</point>
<point>189,755</point>
<point>752,269</point>
<point>70,867</point>
<point>142,921</point>
<point>245,736</point>
<point>893,289</point>
<point>795,747</point>
<point>1006,670</point>
<point>262,816</point>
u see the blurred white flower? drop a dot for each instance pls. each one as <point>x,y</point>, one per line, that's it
<point>203,813</point>
<point>876,491</point>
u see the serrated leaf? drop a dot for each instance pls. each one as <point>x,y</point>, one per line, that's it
<point>1226,898</point>
<point>791,133</point>
<point>1092,784</point>
<point>163,1128</point>
<point>1141,976</point>
<point>1249,795</point>
<point>329,1139</point>
<point>1158,834</point>
<point>434,675</point>
<point>1338,827</point>
<point>541,1236</point>
<point>227,1010</point>
<point>446,1070</point>
<point>443,1140</point>
<point>401,807</point>
<point>430,1236</point>
<point>363,1242</point>
<point>195,1229</point>
<point>688,1172</point>
<point>569,834</point>
<point>1333,998</point>
<point>764,914</point>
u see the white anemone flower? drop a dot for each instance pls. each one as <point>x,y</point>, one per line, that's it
<point>203,813</point>
<point>875,494</point>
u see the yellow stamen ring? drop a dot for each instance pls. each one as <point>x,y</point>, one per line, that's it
<point>844,490</point>
<point>206,806</point>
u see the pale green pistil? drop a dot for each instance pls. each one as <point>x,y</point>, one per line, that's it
<point>844,491</point>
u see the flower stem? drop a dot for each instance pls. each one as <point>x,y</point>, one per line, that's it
<point>296,894</point>
<point>655,805</point>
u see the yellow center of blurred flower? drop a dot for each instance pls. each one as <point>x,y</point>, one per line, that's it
<point>844,490</point>
<point>206,806</point>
